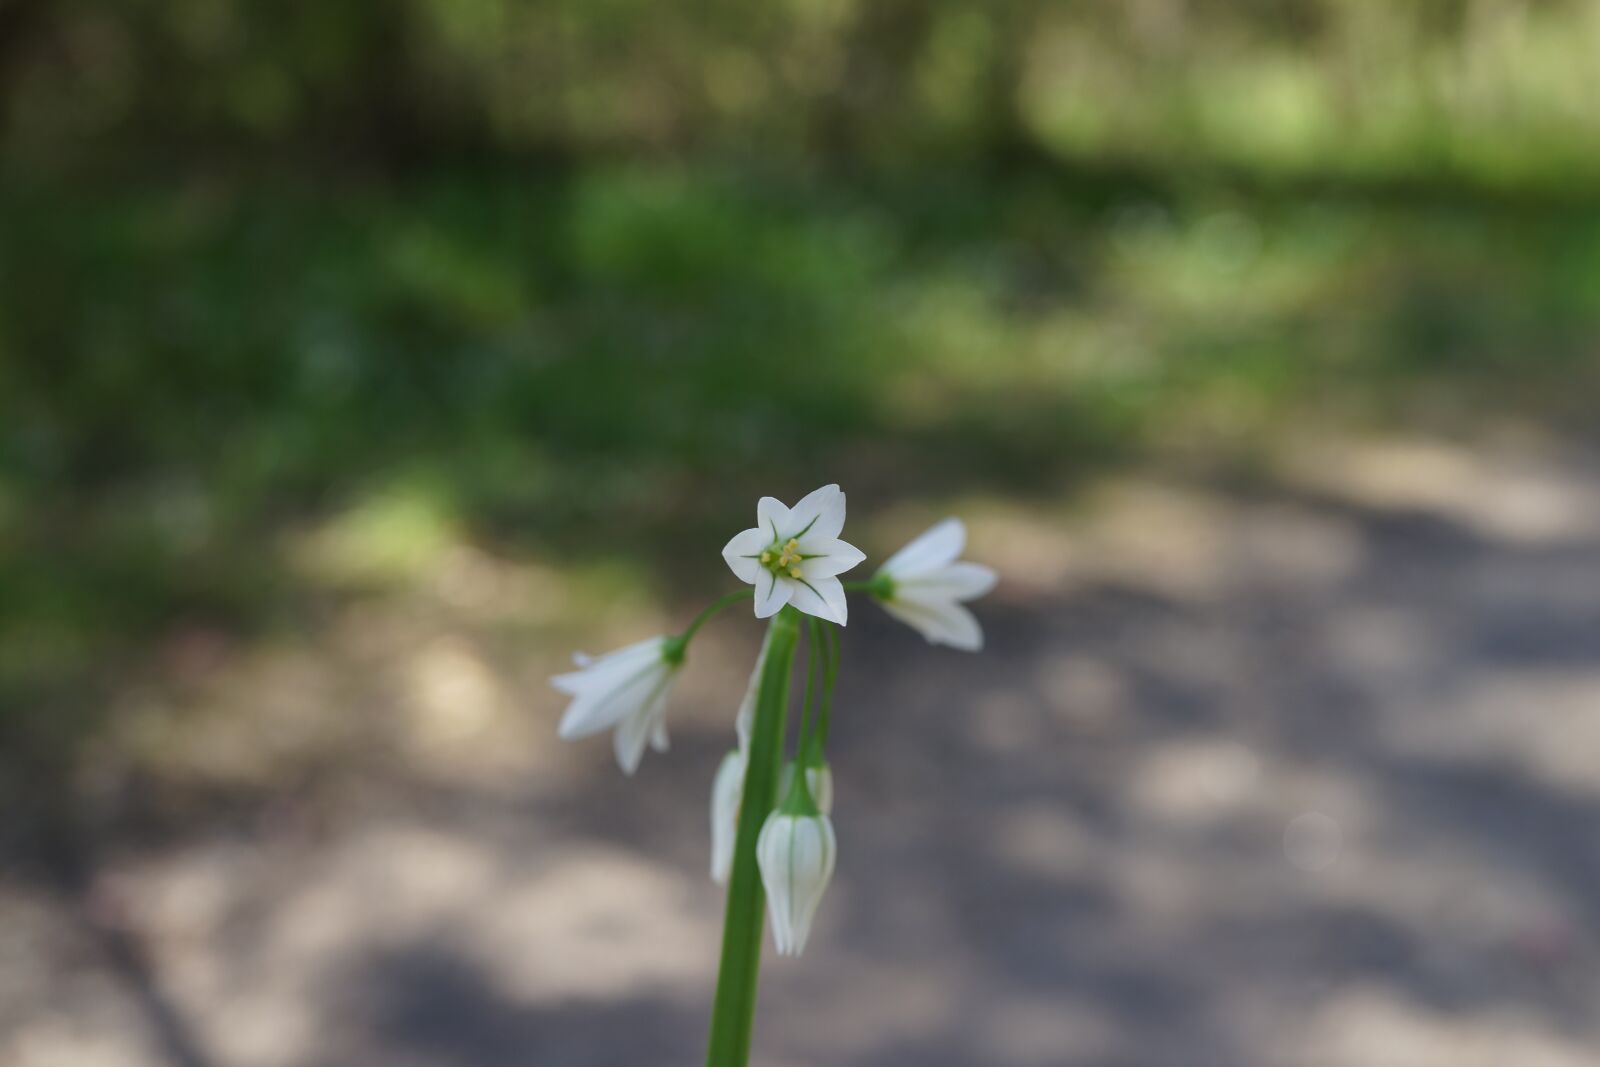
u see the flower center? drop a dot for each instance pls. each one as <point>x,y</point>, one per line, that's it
<point>783,558</point>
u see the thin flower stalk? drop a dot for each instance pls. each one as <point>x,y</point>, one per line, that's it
<point>733,1011</point>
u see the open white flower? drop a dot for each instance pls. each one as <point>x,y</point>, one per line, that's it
<point>626,690</point>
<point>796,855</point>
<point>794,555</point>
<point>923,585</point>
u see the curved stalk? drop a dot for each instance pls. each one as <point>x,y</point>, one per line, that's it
<point>734,1010</point>
<point>710,612</point>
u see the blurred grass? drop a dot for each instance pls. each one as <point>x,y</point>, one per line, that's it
<point>226,401</point>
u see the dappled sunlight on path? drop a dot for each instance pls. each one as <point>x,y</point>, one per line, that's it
<point>1303,774</point>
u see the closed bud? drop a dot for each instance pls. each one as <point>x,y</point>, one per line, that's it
<point>796,855</point>
<point>726,791</point>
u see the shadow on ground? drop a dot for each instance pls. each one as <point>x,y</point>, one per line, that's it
<point>1302,775</point>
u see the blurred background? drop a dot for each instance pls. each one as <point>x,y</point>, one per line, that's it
<point>359,361</point>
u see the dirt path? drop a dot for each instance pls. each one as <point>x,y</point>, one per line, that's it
<point>1308,777</point>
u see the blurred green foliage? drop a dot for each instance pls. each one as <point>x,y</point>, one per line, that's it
<point>548,276</point>
<point>1498,92</point>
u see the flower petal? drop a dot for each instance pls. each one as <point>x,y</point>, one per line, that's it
<point>743,552</point>
<point>820,779</point>
<point>771,848</point>
<point>588,714</point>
<point>826,558</point>
<point>939,545</point>
<point>771,594</point>
<point>633,733</point>
<point>727,788</point>
<point>773,518</point>
<point>822,597</point>
<point>608,670</point>
<point>746,717</point>
<point>942,622</point>
<point>645,726</point>
<point>819,514</point>
<point>954,581</point>
<point>814,857</point>
<point>600,708</point>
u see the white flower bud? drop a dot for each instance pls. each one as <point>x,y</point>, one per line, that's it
<point>727,789</point>
<point>796,854</point>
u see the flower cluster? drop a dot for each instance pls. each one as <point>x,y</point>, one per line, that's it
<point>792,558</point>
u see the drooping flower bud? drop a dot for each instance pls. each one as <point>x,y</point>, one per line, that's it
<point>796,855</point>
<point>924,585</point>
<point>727,789</point>
<point>626,690</point>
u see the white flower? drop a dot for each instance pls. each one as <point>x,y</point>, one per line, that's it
<point>794,555</point>
<point>796,854</point>
<point>625,689</point>
<point>922,585</point>
<point>818,779</point>
<point>727,790</point>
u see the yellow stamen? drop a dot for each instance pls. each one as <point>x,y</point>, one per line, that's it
<point>784,558</point>
<point>790,554</point>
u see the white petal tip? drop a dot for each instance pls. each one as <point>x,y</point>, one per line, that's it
<point>958,646</point>
<point>572,727</point>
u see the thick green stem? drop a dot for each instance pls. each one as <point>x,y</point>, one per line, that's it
<point>733,1014</point>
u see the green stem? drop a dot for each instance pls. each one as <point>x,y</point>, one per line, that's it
<point>880,586</point>
<point>798,799</point>
<point>733,1012</point>
<point>808,717</point>
<point>710,613</point>
<point>830,675</point>
<point>816,736</point>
